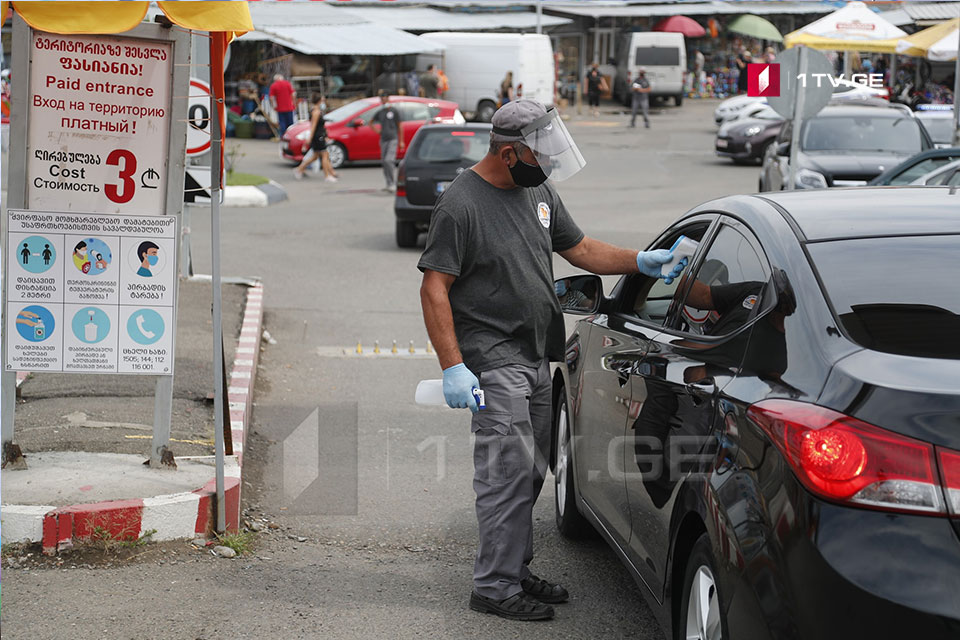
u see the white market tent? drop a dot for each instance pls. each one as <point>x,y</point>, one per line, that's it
<point>938,43</point>
<point>853,27</point>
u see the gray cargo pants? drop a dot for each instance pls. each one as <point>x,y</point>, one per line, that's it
<point>510,459</point>
<point>388,158</point>
<point>641,104</point>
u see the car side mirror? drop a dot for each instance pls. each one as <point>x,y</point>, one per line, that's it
<point>783,149</point>
<point>356,124</point>
<point>579,295</point>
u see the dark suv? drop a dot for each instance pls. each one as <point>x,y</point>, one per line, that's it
<point>438,154</point>
<point>845,145</point>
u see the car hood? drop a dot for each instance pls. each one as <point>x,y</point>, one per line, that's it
<point>831,163</point>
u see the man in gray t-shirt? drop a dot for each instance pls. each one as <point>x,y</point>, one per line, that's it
<point>391,138</point>
<point>491,310</point>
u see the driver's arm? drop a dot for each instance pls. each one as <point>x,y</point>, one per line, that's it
<point>699,296</point>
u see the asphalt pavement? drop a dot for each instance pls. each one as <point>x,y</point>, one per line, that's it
<point>379,488</point>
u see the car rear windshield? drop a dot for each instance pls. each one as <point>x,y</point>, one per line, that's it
<point>657,56</point>
<point>896,295</point>
<point>862,133</point>
<point>451,145</point>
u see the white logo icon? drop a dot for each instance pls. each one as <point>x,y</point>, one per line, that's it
<point>763,80</point>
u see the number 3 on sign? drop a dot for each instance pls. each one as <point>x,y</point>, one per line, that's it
<point>123,192</point>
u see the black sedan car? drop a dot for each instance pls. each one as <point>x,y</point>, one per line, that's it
<point>746,140</point>
<point>917,166</point>
<point>845,145</point>
<point>438,154</point>
<point>771,443</point>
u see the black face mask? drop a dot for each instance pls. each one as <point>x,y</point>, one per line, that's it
<point>527,175</point>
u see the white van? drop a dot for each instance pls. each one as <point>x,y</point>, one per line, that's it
<point>476,63</point>
<point>663,55</point>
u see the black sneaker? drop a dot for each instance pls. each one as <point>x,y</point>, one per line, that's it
<point>517,607</point>
<point>543,590</point>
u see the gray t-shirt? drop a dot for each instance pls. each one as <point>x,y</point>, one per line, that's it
<point>499,244</point>
<point>389,120</point>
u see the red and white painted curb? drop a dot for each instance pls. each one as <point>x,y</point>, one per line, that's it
<point>173,516</point>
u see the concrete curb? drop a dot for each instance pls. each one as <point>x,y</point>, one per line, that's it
<point>253,196</point>
<point>173,516</point>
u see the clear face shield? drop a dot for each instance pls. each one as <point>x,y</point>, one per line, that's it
<point>551,143</point>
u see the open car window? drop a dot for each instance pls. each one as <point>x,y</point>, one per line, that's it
<point>649,299</point>
<point>723,294</point>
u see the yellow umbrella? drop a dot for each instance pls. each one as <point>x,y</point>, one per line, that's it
<point>117,17</point>
<point>939,42</point>
<point>853,27</point>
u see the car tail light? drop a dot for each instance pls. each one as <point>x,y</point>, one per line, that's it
<point>950,475</point>
<point>846,460</point>
<point>402,181</point>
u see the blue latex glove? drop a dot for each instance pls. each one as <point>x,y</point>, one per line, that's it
<point>650,263</point>
<point>560,287</point>
<point>458,385</point>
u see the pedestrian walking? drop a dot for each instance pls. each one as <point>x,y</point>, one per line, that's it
<point>318,142</point>
<point>430,83</point>
<point>506,89</point>
<point>596,84</point>
<point>640,98</point>
<point>387,123</point>
<point>492,313</point>
<point>283,98</point>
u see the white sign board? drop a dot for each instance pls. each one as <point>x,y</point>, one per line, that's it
<point>198,118</point>
<point>90,293</point>
<point>99,117</point>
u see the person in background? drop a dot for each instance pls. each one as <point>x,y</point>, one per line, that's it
<point>387,123</point>
<point>770,55</point>
<point>596,85</point>
<point>640,93</point>
<point>318,142</point>
<point>506,88</point>
<point>444,82</point>
<point>283,98</point>
<point>698,63</point>
<point>430,83</point>
<point>744,59</point>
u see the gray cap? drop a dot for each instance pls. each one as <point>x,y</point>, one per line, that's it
<point>516,115</point>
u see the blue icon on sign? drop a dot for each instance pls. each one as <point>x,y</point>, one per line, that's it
<point>36,254</point>
<point>92,256</point>
<point>91,325</point>
<point>35,323</point>
<point>145,326</point>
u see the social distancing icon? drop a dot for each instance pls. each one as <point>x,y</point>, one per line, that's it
<point>36,254</point>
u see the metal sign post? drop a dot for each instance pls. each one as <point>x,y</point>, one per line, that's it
<point>797,120</point>
<point>100,131</point>
<point>956,94</point>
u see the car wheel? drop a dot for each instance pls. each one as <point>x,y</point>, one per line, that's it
<point>406,234</point>
<point>570,521</point>
<point>678,99</point>
<point>701,609</point>
<point>338,155</point>
<point>485,111</point>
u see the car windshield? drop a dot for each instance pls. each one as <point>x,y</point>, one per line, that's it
<point>862,133</point>
<point>451,145</point>
<point>914,311</point>
<point>920,169</point>
<point>346,111</point>
<point>940,129</point>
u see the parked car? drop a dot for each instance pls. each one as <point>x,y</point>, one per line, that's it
<point>939,123</point>
<point>664,57</point>
<point>845,145</point>
<point>770,442</point>
<point>845,90</point>
<point>437,155</point>
<point>947,176</point>
<point>352,138</point>
<point>917,166</point>
<point>746,139</point>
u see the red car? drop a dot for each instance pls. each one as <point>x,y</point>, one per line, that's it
<point>352,137</point>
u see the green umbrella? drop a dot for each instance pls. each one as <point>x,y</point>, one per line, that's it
<point>755,27</point>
